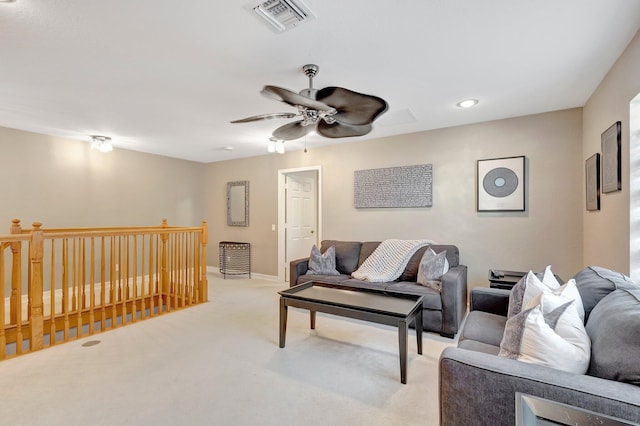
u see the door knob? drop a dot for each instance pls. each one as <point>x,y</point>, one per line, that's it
<point>312,231</point>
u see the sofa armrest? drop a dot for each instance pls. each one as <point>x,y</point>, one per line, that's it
<point>462,371</point>
<point>454,299</point>
<point>491,300</point>
<point>296,268</point>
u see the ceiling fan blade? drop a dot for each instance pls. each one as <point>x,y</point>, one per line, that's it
<point>341,130</point>
<point>353,108</point>
<point>292,131</point>
<point>293,99</point>
<point>265,117</point>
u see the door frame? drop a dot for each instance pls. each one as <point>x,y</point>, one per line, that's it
<point>281,212</point>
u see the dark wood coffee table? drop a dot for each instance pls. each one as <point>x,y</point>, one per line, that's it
<point>368,305</point>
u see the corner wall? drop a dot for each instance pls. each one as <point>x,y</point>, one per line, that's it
<point>549,232</point>
<point>606,232</point>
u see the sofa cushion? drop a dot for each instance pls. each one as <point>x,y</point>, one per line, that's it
<point>595,282</point>
<point>615,323</point>
<point>322,263</point>
<point>363,284</point>
<point>474,345</point>
<point>329,279</point>
<point>484,327</point>
<point>366,249</point>
<point>431,298</point>
<point>347,254</point>
<point>528,337</point>
<point>411,270</point>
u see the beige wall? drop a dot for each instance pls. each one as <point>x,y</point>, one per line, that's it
<point>64,183</point>
<point>549,232</point>
<point>606,232</point>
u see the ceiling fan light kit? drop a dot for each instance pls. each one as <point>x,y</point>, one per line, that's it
<point>333,112</point>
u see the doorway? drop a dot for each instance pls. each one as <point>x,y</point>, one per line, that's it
<point>299,218</point>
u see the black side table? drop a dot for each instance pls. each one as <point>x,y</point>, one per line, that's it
<point>504,279</point>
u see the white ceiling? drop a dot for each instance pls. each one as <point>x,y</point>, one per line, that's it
<point>167,76</point>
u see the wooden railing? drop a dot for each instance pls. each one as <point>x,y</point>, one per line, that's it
<point>58,285</point>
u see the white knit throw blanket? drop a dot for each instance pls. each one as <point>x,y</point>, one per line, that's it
<point>388,260</point>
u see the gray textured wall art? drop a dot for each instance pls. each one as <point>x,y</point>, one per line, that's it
<point>406,186</point>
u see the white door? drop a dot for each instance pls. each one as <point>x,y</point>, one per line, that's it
<point>301,216</point>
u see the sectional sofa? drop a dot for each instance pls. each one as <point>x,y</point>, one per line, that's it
<point>478,387</point>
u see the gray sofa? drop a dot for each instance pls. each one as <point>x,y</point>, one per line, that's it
<point>443,311</point>
<point>477,387</point>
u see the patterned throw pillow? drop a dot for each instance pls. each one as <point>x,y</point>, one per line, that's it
<point>432,267</point>
<point>535,337</point>
<point>322,263</point>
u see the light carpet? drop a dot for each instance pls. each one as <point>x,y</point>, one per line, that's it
<point>219,364</point>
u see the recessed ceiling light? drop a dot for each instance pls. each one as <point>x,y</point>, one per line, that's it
<point>467,103</point>
<point>228,148</point>
<point>7,1</point>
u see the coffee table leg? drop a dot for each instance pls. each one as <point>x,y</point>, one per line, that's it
<point>312,319</point>
<point>402,340</point>
<point>419,330</point>
<point>283,321</point>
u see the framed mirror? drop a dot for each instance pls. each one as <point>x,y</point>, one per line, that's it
<point>238,203</point>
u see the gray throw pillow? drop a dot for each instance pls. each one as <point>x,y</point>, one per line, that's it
<point>432,267</point>
<point>595,282</point>
<point>322,263</point>
<point>614,328</point>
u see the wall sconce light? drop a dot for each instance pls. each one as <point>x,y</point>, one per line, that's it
<point>101,143</point>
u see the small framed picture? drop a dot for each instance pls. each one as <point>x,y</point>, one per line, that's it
<point>501,185</point>
<point>592,178</point>
<point>611,158</point>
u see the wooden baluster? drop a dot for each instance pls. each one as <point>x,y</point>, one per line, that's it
<point>204,282</point>
<point>103,285</point>
<point>36,314</point>
<point>164,273</point>
<point>65,287</point>
<point>15,303</point>
<point>125,278</point>
<point>196,267</point>
<point>143,307</point>
<point>134,279</point>
<point>52,296</point>
<point>73,277</point>
<point>112,284</point>
<point>92,290</point>
<point>80,291</point>
<point>152,278</point>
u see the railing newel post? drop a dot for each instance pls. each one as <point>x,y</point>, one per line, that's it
<point>36,311</point>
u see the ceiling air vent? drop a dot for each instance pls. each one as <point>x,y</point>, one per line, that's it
<point>281,15</point>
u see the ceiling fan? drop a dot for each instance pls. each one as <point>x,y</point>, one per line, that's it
<point>333,112</point>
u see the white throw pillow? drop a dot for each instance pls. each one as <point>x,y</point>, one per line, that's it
<point>567,290</point>
<point>529,338</point>
<point>431,269</point>
<point>549,278</point>
<point>561,314</point>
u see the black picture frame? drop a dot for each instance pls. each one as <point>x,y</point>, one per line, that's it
<point>592,182</point>
<point>500,185</point>
<point>611,165</point>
